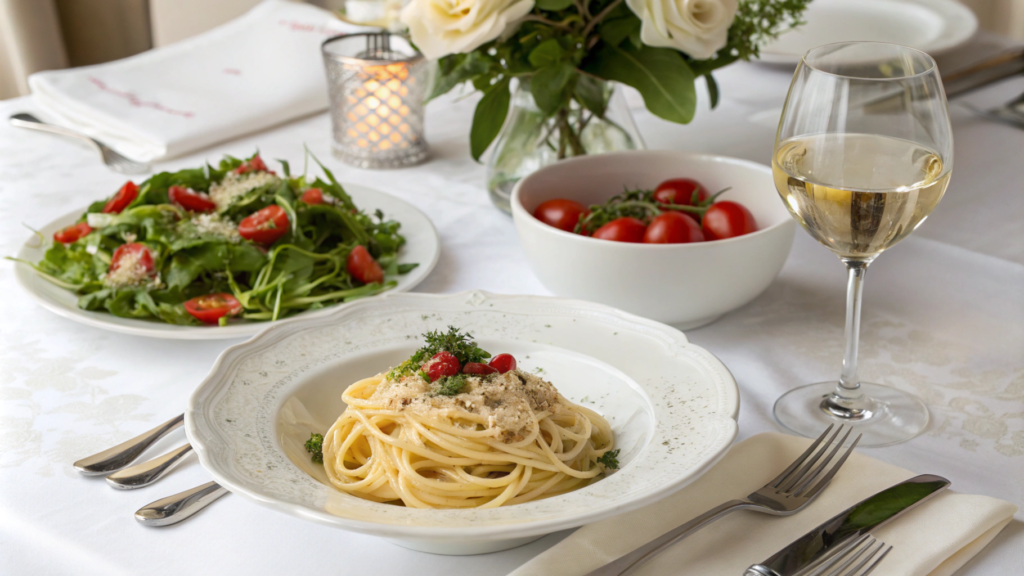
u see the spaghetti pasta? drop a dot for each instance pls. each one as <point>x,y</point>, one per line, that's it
<point>503,438</point>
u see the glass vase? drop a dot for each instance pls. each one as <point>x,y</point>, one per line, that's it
<point>530,139</point>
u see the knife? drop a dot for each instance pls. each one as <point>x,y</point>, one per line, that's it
<point>819,544</point>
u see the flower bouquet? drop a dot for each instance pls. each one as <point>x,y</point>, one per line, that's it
<point>564,55</point>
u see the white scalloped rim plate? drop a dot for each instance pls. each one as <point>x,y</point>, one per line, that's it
<point>671,404</point>
<point>422,245</point>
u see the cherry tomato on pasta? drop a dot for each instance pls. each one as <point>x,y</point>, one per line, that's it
<point>673,228</point>
<point>212,307</point>
<point>363,267</point>
<point>503,363</point>
<point>478,369</point>
<point>560,213</point>
<point>190,199</point>
<point>72,233</point>
<point>442,364</point>
<point>125,196</point>
<point>728,220</point>
<point>265,226</point>
<point>622,230</point>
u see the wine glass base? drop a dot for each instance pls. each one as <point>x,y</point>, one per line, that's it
<point>890,417</point>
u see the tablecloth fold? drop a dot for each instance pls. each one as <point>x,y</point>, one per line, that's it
<point>935,539</point>
<point>261,69</point>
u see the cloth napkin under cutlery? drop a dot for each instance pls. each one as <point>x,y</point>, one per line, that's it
<point>261,69</point>
<point>934,540</point>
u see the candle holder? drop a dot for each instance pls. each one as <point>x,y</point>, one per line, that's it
<point>376,95</point>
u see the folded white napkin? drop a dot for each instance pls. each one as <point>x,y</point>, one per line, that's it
<point>256,71</point>
<point>935,539</point>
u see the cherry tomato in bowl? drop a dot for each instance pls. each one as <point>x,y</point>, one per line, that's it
<point>211,308</point>
<point>728,219</point>
<point>363,267</point>
<point>622,230</point>
<point>560,213</point>
<point>125,196</point>
<point>264,226</point>
<point>680,191</point>
<point>190,199</point>
<point>72,233</point>
<point>673,228</point>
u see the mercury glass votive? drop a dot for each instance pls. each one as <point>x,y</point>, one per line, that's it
<point>377,83</point>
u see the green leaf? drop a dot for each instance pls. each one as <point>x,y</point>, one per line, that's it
<point>553,5</point>
<point>548,86</point>
<point>591,94</point>
<point>456,69</point>
<point>712,89</point>
<point>488,118</point>
<point>660,75</point>
<point>616,29</point>
<point>547,53</point>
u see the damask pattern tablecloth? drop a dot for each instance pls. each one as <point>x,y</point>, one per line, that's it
<point>944,318</point>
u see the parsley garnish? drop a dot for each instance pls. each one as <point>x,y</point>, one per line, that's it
<point>610,459</point>
<point>315,446</point>
<point>451,385</point>
<point>459,344</point>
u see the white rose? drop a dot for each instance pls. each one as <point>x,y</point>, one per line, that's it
<point>698,28</point>
<point>442,27</point>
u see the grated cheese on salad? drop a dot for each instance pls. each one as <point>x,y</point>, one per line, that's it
<point>216,225</point>
<point>130,272</point>
<point>234,185</point>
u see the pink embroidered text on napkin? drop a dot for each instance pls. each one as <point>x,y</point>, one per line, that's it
<point>262,69</point>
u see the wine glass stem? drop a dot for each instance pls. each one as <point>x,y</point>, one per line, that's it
<point>847,402</point>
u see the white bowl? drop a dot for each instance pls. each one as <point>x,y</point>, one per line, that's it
<point>686,285</point>
<point>672,406</point>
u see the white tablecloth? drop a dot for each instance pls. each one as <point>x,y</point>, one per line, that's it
<point>944,318</point>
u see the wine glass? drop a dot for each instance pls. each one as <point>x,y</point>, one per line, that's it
<point>862,156</point>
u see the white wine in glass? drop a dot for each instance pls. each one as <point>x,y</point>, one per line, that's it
<point>863,154</point>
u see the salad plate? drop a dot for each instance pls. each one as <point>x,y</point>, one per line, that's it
<point>422,246</point>
<point>670,404</point>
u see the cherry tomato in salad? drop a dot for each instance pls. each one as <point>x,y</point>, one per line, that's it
<point>503,363</point>
<point>363,267</point>
<point>212,307</point>
<point>560,213</point>
<point>313,196</point>
<point>125,196</point>
<point>134,253</point>
<point>622,230</point>
<point>680,191</point>
<point>72,233</point>
<point>728,220</point>
<point>673,228</point>
<point>255,164</point>
<point>265,226</point>
<point>190,199</point>
<point>478,369</point>
<point>442,364</point>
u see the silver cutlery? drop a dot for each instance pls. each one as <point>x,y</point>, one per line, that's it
<point>859,558</point>
<point>181,506</point>
<point>148,472</point>
<point>120,456</point>
<point>113,159</point>
<point>832,538</point>
<point>788,493</point>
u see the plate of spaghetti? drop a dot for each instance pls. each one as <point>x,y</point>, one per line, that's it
<point>464,423</point>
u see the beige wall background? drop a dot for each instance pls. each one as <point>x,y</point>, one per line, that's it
<point>51,34</point>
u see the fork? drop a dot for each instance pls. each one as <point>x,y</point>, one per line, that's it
<point>114,160</point>
<point>854,560</point>
<point>786,494</point>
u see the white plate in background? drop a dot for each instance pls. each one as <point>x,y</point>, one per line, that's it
<point>932,26</point>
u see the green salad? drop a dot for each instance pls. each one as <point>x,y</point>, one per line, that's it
<point>206,244</point>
